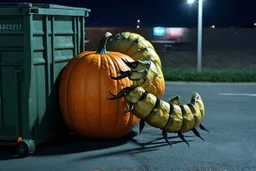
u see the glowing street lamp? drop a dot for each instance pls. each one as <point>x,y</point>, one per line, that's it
<point>199,34</point>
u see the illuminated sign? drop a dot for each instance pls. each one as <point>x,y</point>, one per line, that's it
<point>174,32</point>
<point>159,31</point>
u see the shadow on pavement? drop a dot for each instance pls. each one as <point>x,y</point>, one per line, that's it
<point>143,148</point>
<point>68,145</point>
<point>76,144</point>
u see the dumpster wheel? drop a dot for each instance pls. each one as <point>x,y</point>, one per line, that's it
<point>25,148</point>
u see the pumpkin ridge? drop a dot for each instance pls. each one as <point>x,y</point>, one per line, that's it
<point>90,60</point>
<point>64,89</point>
<point>92,65</point>
<point>64,86</point>
<point>101,58</point>
<point>85,59</point>
<point>68,85</point>
<point>114,58</point>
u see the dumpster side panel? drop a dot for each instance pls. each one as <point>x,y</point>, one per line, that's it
<point>11,75</point>
<point>36,44</point>
<point>55,41</point>
<point>10,96</point>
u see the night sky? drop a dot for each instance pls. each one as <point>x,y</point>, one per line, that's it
<point>167,13</point>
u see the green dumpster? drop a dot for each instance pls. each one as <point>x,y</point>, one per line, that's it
<point>36,42</point>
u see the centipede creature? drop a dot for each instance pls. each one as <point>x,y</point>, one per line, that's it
<point>170,117</point>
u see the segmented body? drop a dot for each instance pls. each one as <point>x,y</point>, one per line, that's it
<point>172,116</point>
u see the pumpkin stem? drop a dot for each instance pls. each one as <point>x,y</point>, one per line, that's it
<point>103,43</point>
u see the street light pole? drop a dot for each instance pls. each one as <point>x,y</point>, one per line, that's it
<point>199,35</point>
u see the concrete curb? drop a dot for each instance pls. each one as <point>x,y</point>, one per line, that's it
<point>209,83</point>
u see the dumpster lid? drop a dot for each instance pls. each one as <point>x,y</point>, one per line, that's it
<point>38,5</point>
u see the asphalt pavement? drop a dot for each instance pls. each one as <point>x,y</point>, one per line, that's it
<point>230,145</point>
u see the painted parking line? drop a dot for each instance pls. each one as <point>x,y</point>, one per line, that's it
<point>236,94</point>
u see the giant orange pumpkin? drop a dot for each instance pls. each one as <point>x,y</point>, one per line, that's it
<point>84,88</point>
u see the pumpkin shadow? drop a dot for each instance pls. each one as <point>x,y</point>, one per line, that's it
<point>76,144</point>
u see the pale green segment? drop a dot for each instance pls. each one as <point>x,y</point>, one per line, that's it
<point>134,95</point>
<point>160,115</point>
<point>144,107</point>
